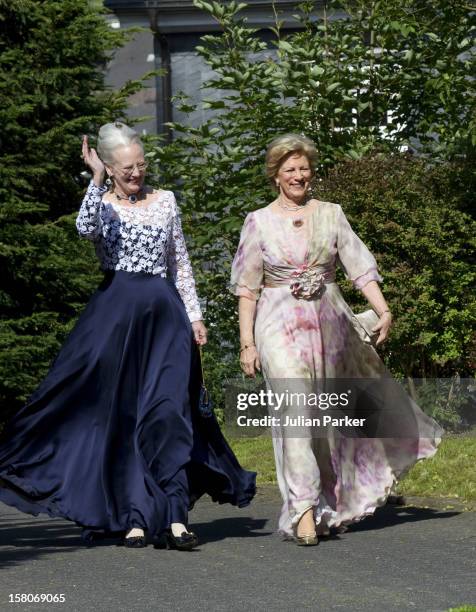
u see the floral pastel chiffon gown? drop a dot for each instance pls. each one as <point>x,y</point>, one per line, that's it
<point>306,337</point>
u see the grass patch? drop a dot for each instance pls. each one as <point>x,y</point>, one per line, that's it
<point>256,454</point>
<point>450,473</point>
<point>463,609</point>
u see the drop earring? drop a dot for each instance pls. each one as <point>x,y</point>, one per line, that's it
<point>108,182</point>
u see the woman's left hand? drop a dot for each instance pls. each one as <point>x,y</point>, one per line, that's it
<point>383,327</point>
<point>199,332</point>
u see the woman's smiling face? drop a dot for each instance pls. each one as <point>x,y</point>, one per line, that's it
<point>294,177</point>
<point>128,169</point>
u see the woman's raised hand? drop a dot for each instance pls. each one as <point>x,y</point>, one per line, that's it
<point>92,160</point>
<point>249,361</point>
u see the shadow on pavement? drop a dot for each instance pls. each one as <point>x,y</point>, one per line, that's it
<point>29,539</point>
<point>387,516</point>
<point>25,540</point>
<point>222,529</point>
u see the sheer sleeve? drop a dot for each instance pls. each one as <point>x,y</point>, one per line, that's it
<point>180,269</point>
<point>88,221</point>
<point>357,261</point>
<point>247,268</point>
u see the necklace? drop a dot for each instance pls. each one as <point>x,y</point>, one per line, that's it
<point>297,221</point>
<point>132,198</point>
<point>291,208</point>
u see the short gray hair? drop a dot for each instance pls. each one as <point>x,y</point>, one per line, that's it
<point>114,135</point>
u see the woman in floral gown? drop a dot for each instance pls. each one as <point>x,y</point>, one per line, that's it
<point>296,326</point>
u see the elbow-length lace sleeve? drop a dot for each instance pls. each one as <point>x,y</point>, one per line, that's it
<point>88,221</point>
<point>180,269</point>
<point>247,268</point>
<point>357,261</point>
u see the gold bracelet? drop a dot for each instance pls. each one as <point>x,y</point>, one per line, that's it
<point>384,311</point>
<point>245,347</point>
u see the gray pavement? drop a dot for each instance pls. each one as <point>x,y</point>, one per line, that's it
<point>403,558</point>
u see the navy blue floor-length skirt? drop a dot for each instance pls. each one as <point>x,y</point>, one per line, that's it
<point>116,419</point>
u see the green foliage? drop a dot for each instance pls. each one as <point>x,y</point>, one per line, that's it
<point>415,219</point>
<point>391,73</point>
<point>326,81</point>
<point>51,92</point>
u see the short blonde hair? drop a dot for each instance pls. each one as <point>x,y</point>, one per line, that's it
<point>281,147</point>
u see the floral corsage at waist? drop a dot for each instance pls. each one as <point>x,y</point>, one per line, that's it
<point>307,283</point>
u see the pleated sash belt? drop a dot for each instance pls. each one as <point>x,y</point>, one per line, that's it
<point>304,282</point>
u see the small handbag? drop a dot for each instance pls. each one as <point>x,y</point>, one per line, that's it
<point>363,324</point>
<point>205,404</point>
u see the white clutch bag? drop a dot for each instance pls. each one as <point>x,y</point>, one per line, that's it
<point>363,323</point>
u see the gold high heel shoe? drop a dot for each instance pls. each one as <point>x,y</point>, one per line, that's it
<point>308,539</point>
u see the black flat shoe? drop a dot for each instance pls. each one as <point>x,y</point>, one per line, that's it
<point>135,542</point>
<point>186,541</point>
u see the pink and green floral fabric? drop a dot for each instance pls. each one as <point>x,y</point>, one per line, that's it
<point>306,332</point>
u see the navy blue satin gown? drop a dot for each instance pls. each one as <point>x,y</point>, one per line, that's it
<point>113,438</point>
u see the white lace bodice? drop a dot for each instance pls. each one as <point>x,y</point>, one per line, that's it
<point>140,239</point>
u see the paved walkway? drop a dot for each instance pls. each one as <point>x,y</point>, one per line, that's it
<point>407,558</point>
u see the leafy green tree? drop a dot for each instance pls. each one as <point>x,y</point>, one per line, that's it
<point>391,75</point>
<point>416,220</point>
<point>52,90</point>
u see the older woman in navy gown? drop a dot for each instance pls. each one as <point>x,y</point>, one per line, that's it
<point>113,438</point>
